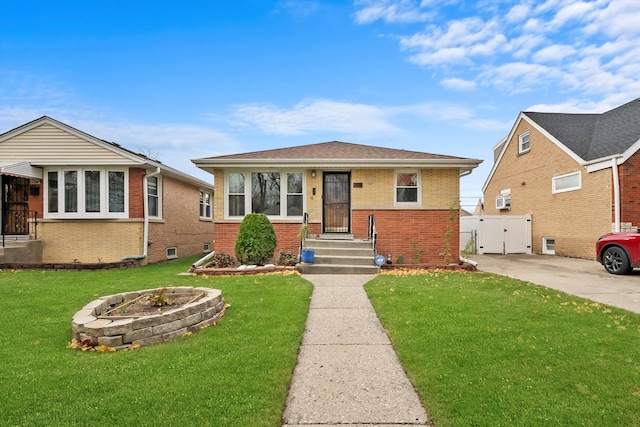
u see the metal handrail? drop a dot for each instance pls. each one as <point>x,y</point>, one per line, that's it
<point>373,232</point>
<point>305,223</point>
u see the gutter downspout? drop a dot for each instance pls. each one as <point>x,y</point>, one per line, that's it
<point>145,202</point>
<point>616,193</point>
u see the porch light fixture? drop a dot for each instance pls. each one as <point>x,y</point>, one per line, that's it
<point>313,173</point>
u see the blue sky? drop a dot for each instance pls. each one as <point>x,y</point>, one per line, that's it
<point>185,79</point>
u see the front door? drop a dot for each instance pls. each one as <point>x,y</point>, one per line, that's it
<point>336,197</point>
<point>15,205</point>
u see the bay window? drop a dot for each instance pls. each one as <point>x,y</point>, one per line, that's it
<point>85,193</point>
<point>274,193</point>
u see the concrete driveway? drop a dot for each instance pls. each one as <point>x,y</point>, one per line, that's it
<point>579,277</point>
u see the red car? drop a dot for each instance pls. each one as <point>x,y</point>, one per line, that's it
<point>619,253</point>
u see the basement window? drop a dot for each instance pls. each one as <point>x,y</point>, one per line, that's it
<point>172,252</point>
<point>549,245</point>
<point>206,248</point>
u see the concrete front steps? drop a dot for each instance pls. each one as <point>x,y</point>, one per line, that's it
<point>339,255</point>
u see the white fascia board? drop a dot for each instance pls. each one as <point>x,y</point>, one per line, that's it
<point>337,163</point>
<point>504,148</point>
<point>181,176</point>
<point>523,116</point>
<point>24,169</point>
<point>605,162</point>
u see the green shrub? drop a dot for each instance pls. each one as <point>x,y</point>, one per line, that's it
<point>256,240</point>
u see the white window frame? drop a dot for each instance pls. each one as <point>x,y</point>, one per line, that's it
<point>172,252</point>
<point>545,245</point>
<point>248,186</point>
<point>81,203</point>
<point>158,196</point>
<point>556,179</point>
<point>522,142</point>
<point>206,203</point>
<point>418,201</point>
<point>506,194</point>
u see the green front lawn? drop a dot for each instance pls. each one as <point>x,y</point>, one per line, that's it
<point>482,350</point>
<point>236,373</point>
<point>486,350</point>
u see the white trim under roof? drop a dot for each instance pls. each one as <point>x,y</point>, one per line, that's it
<point>23,169</point>
<point>509,138</point>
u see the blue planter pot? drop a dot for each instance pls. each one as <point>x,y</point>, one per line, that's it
<point>307,255</point>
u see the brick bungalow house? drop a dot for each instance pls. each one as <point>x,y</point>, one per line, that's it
<point>68,196</point>
<point>413,196</point>
<point>578,175</point>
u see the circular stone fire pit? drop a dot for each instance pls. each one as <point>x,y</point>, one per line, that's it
<point>107,320</point>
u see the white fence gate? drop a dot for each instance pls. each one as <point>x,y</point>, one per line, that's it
<point>496,234</point>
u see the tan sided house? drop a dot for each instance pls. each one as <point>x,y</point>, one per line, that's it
<point>411,197</point>
<point>577,175</point>
<point>68,196</point>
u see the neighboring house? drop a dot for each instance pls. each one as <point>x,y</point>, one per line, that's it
<point>578,175</point>
<point>413,196</point>
<point>88,200</point>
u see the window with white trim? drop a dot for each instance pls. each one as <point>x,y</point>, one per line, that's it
<point>154,191</point>
<point>549,245</point>
<point>407,187</point>
<point>172,252</point>
<point>205,204</point>
<point>274,193</point>
<point>295,198</point>
<point>524,143</point>
<point>568,182</point>
<point>88,192</point>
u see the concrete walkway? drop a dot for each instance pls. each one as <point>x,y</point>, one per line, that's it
<point>347,372</point>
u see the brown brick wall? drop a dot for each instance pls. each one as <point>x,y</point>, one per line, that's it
<point>36,203</point>
<point>629,175</point>
<point>416,235</point>
<point>286,234</point>
<point>575,218</point>
<point>180,226</point>
<point>136,192</point>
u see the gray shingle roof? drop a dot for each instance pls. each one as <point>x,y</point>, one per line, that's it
<point>593,136</point>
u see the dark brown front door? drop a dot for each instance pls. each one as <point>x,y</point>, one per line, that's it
<point>15,205</point>
<point>336,196</point>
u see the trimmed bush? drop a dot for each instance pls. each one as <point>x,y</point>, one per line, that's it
<point>256,240</point>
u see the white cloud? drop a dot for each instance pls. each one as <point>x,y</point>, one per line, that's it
<point>316,115</point>
<point>390,11</point>
<point>457,42</point>
<point>458,84</point>
<point>571,12</point>
<point>619,19</point>
<point>554,53</point>
<point>518,13</point>
<point>519,77</point>
<point>589,46</point>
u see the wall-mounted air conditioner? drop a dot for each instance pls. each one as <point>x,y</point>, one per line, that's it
<point>503,202</point>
